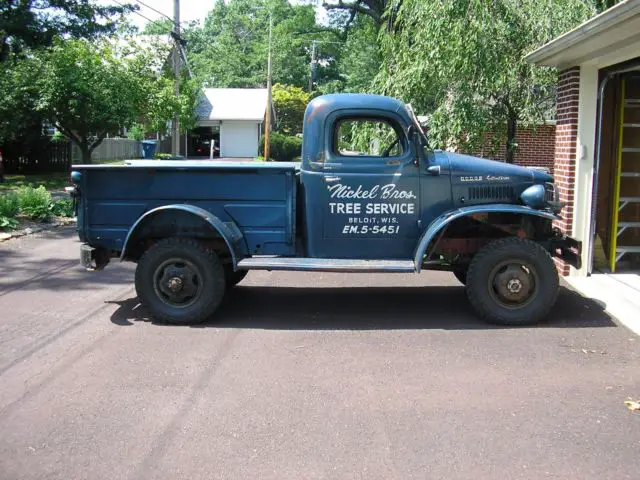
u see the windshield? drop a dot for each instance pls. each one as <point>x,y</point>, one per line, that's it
<point>415,121</point>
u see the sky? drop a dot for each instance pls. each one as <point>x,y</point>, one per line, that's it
<point>189,9</point>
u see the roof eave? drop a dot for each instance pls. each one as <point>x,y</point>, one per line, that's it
<point>548,54</point>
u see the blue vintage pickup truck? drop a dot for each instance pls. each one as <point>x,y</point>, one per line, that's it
<point>369,195</point>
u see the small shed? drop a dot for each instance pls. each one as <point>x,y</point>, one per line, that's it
<point>233,118</point>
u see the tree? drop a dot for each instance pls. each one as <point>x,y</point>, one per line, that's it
<point>602,5</point>
<point>231,48</point>
<point>290,103</point>
<point>361,57</point>
<point>158,27</point>
<point>463,61</point>
<point>18,100</point>
<point>36,23</point>
<point>89,91</point>
<point>374,9</point>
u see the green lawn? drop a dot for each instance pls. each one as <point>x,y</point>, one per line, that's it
<point>51,181</point>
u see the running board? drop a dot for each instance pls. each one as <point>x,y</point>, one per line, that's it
<point>326,265</point>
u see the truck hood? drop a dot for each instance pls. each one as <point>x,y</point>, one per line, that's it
<point>466,164</point>
<point>477,180</point>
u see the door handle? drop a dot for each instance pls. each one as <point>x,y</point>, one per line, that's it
<point>393,163</point>
<point>331,179</point>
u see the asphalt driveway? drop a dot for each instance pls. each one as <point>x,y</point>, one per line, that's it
<point>302,376</point>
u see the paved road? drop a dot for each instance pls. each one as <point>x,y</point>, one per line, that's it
<point>300,379</point>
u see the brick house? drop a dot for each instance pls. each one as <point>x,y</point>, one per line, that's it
<point>536,146</point>
<point>597,139</point>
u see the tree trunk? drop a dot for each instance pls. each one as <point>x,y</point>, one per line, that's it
<point>510,147</point>
<point>86,153</point>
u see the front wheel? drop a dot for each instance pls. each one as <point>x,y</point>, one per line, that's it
<point>512,281</point>
<point>233,277</point>
<point>180,281</point>
<point>460,272</point>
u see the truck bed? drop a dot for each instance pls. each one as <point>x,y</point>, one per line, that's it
<point>259,197</point>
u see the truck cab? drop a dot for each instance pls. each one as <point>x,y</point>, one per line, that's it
<point>363,169</point>
<point>369,194</point>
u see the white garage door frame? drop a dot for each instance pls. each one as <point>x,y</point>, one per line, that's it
<point>239,138</point>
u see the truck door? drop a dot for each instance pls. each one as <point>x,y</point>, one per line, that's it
<point>370,193</point>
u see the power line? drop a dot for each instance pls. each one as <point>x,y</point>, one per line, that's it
<point>157,11</point>
<point>135,11</point>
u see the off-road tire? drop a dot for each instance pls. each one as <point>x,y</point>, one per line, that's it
<point>482,266</point>
<point>460,273</point>
<point>209,268</point>
<point>232,277</point>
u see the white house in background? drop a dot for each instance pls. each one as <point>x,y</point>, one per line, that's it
<point>233,118</point>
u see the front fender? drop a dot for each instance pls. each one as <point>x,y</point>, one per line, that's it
<point>446,218</point>
<point>229,232</point>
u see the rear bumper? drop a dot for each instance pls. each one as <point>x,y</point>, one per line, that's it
<point>567,249</point>
<point>94,259</point>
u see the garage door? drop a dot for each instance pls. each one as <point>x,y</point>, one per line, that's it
<point>239,139</point>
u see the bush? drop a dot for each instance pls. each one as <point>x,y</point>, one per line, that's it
<point>63,208</point>
<point>136,132</point>
<point>9,207</point>
<point>35,203</point>
<point>283,148</point>
<point>58,137</point>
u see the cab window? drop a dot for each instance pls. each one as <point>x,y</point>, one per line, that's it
<point>366,137</point>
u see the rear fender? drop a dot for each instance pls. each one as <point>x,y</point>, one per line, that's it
<point>437,225</point>
<point>228,231</point>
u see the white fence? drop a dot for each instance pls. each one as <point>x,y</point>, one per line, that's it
<point>111,149</point>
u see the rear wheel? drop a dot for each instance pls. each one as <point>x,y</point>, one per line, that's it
<point>180,281</point>
<point>512,281</point>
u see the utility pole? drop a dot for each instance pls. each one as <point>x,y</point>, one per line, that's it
<point>312,66</point>
<point>175,124</point>
<point>267,127</point>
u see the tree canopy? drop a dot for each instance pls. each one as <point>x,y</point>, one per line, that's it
<point>94,89</point>
<point>462,61</point>
<point>374,9</point>
<point>290,103</point>
<point>459,61</point>
<point>231,48</point>
<point>36,23</point>
<point>88,92</point>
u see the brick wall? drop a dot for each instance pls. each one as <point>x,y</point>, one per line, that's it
<point>566,143</point>
<point>536,146</point>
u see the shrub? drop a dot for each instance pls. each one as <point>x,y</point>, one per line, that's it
<point>35,203</point>
<point>63,208</point>
<point>58,137</point>
<point>283,148</point>
<point>9,207</point>
<point>136,132</point>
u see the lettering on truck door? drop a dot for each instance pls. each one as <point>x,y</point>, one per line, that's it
<point>371,187</point>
